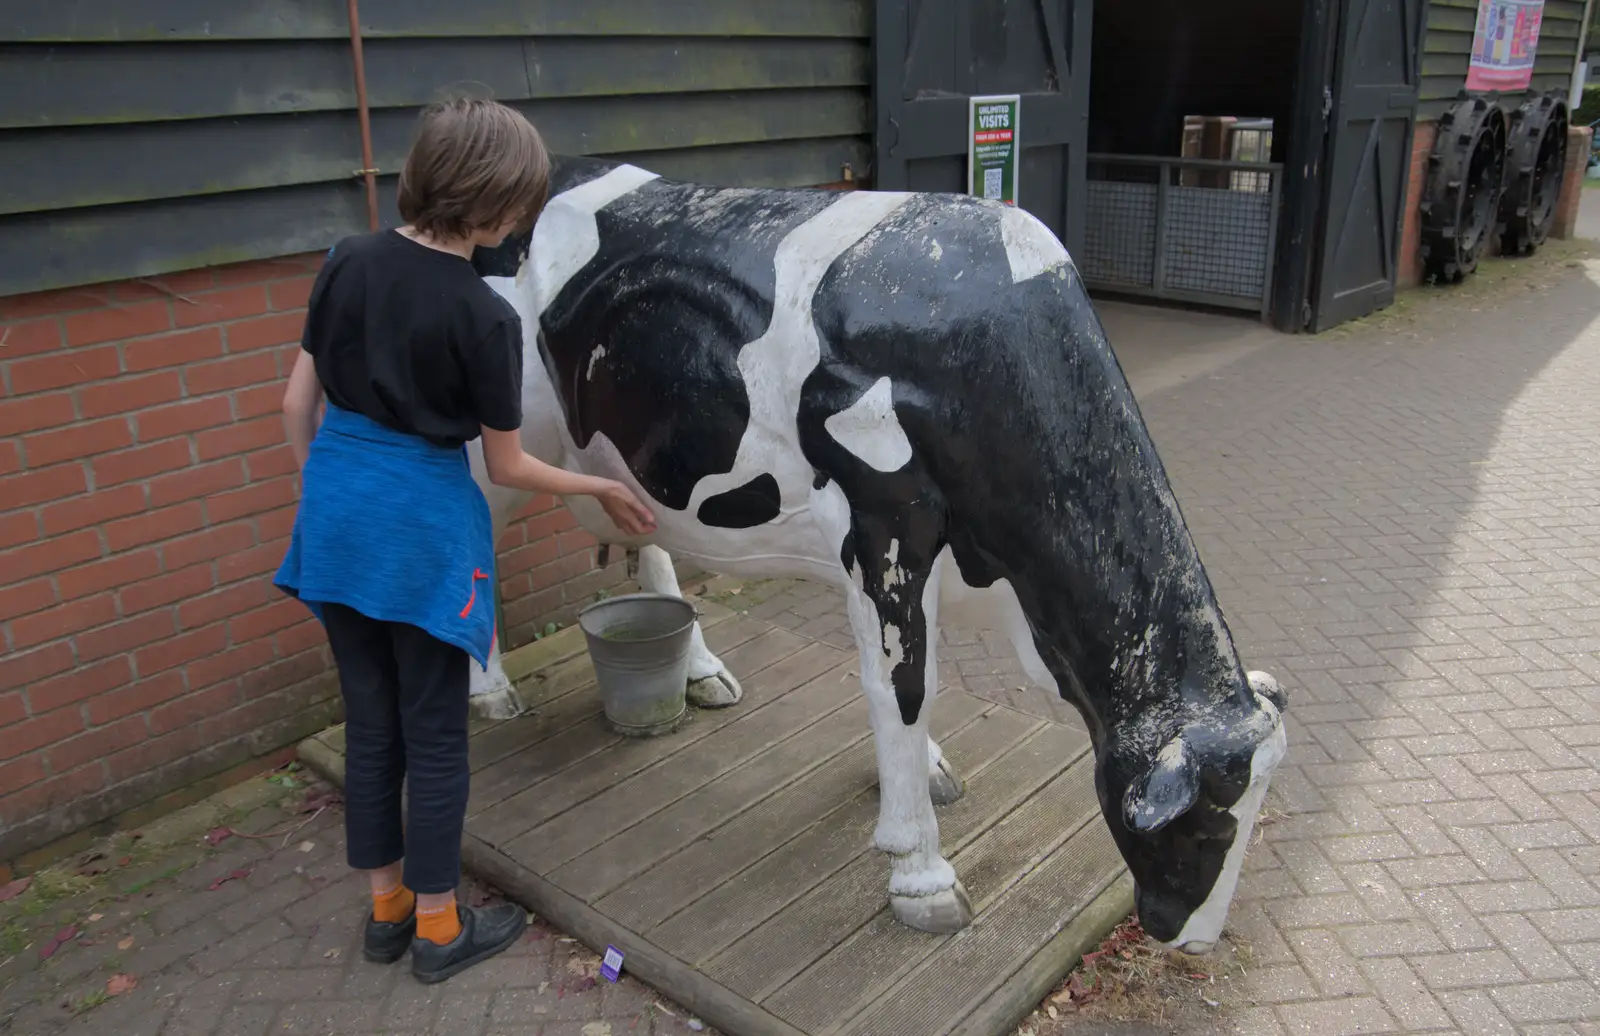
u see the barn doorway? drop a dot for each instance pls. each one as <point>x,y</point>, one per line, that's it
<point>1247,154</point>
<point>1251,154</point>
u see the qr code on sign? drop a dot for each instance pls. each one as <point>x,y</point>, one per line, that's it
<point>992,183</point>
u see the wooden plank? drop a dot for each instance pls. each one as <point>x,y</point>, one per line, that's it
<point>560,694</point>
<point>720,855</point>
<point>57,249</point>
<point>780,163</point>
<point>578,717</point>
<point>51,169</point>
<point>500,784</point>
<point>95,84</point>
<point>1019,996</point>
<point>854,975</point>
<point>534,804</point>
<point>119,20</point>
<point>715,1004</point>
<point>964,972</point>
<point>636,849</point>
<point>763,959</point>
<point>87,246</point>
<point>564,837</point>
<point>809,868</point>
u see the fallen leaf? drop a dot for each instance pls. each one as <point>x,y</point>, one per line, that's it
<point>306,847</point>
<point>230,876</point>
<point>96,917</point>
<point>597,1029</point>
<point>218,835</point>
<point>126,944</point>
<point>58,940</point>
<point>124,861</point>
<point>330,955</point>
<point>119,983</point>
<point>1052,1012</point>
<point>11,890</point>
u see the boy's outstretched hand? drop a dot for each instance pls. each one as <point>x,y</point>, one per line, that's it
<point>626,511</point>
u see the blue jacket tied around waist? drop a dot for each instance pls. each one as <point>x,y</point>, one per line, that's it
<point>395,528</point>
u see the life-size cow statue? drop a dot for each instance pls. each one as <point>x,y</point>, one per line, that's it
<point>910,397</point>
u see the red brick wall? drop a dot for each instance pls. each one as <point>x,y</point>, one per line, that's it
<point>146,494</point>
<point>1578,139</point>
<point>1409,272</point>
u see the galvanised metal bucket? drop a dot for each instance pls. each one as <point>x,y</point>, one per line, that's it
<point>639,644</point>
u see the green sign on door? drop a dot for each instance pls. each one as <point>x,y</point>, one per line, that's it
<point>992,148</point>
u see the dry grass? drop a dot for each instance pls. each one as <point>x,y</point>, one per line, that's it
<point>1129,978</point>
<point>1417,313</point>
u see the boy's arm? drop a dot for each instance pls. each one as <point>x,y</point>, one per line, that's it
<point>511,467</point>
<point>301,403</point>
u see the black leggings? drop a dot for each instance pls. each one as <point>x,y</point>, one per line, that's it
<point>405,700</point>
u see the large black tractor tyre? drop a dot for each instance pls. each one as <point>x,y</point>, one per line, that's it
<point>1461,195</point>
<point>1536,169</point>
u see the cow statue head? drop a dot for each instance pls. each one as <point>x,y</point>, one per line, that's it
<point>1182,810</point>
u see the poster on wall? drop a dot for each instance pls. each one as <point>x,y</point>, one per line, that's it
<point>992,148</point>
<point>1504,44</point>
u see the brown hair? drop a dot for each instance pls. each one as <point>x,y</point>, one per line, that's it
<point>473,165</point>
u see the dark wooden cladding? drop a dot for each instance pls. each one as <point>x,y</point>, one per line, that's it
<point>1448,45</point>
<point>83,246</point>
<point>66,168</point>
<point>84,84</point>
<point>145,138</point>
<point>121,21</point>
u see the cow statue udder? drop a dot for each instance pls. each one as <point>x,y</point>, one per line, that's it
<point>909,397</point>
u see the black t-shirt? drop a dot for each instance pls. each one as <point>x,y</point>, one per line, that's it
<point>414,339</point>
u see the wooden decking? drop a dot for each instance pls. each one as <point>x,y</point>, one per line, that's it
<point>731,861</point>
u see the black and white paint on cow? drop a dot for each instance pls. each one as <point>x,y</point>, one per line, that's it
<point>909,397</point>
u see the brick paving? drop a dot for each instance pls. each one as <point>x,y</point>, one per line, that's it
<point>1402,523</point>
<point>277,951</point>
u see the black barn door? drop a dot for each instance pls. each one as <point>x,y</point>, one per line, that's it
<point>1376,73</point>
<point>932,55</point>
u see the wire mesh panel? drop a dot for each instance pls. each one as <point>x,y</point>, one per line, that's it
<point>1195,230</point>
<point>1217,242</point>
<point>1119,244</point>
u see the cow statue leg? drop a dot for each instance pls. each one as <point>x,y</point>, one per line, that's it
<point>711,686</point>
<point>923,889</point>
<point>891,590</point>
<point>490,692</point>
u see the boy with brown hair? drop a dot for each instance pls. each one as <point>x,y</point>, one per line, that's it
<point>392,546</point>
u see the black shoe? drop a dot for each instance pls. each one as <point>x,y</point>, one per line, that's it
<point>485,931</point>
<point>385,942</point>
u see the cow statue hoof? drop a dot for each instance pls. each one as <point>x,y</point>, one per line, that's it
<point>944,783</point>
<point>498,703</point>
<point>717,691</point>
<point>942,913</point>
<point>490,693</point>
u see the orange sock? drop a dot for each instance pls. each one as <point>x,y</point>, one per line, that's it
<point>440,925</point>
<point>393,906</point>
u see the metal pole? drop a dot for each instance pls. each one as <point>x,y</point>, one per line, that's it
<point>367,171</point>
<point>1574,88</point>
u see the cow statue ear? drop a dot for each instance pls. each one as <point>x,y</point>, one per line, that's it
<point>1165,791</point>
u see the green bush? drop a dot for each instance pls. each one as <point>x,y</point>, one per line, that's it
<point>1589,110</point>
